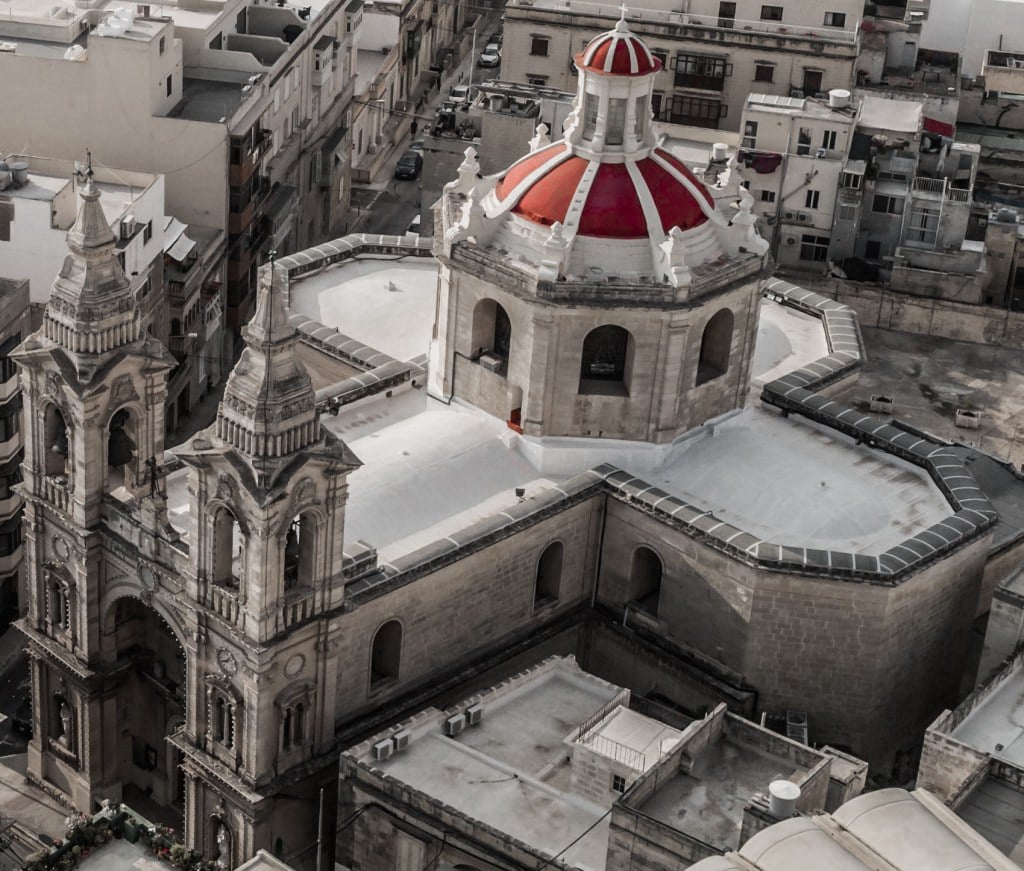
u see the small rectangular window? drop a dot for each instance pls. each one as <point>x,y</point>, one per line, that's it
<point>835,19</point>
<point>767,196</point>
<point>163,44</point>
<point>887,205</point>
<point>618,783</point>
<point>764,72</point>
<point>847,212</point>
<point>771,13</point>
<point>803,141</point>
<point>749,135</point>
<point>852,180</point>
<point>536,81</point>
<point>539,46</point>
<point>170,86</point>
<point>828,139</point>
<point>811,199</point>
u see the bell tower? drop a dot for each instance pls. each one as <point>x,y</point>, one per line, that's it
<point>94,387</point>
<point>267,486</point>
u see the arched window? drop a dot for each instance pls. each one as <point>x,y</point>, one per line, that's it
<point>386,654</point>
<point>492,330</point>
<point>607,360</point>
<point>549,575</point>
<point>299,552</point>
<point>223,716</point>
<point>226,562</point>
<point>645,581</point>
<point>55,444</point>
<point>120,449</point>
<point>715,346</point>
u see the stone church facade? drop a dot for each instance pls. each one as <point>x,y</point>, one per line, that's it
<point>223,670</point>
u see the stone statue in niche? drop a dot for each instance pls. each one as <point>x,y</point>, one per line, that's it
<point>64,711</point>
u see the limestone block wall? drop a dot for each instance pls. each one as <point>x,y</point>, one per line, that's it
<point>870,663</point>
<point>542,376</point>
<point>463,608</point>
<point>1004,632</point>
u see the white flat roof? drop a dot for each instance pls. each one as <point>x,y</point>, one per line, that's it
<point>386,303</point>
<point>999,719</point>
<point>499,772</point>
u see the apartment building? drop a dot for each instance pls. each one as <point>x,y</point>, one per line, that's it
<point>14,326</point>
<point>713,53</point>
<point>867,191</point>
<point>175,270</point>
<point>241,106</point>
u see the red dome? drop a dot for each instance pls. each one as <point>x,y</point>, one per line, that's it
<point>547,184</point>
<point>618,53</point>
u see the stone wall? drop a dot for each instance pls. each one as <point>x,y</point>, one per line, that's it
<point>877,306</point>
<point>465,608</point>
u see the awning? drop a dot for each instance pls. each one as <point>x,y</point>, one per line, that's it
<point>181,249</point>
<point>177,244</point>
<point>940,127</point>
<point>889,116</point>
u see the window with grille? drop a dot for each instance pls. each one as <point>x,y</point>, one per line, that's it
<point>618,783</point>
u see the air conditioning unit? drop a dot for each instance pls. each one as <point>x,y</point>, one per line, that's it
<point>803,217</point>
<point>796,92</point>
<point>401,740</point>
<point>769,220</point>
<point>789,216</point>
<point>791,240</point>
<point>821,152</point>
<point>128,227</point>
<point>383,749</point>
<point>492,362</point>
<point>474,714</point>
<point>454,724</point>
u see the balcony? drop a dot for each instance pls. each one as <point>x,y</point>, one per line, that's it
<point>223,601</point>
<point>940,189</point>
<point>1004,72</point>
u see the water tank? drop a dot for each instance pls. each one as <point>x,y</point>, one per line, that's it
<point>19,170</point>
<point>719,152</point>
<point>839,98</point>
<point>782,798</point>
<point>1006,216</point>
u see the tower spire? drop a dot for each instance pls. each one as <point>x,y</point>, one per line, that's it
<point>269,408</point>
<point>92,307</point>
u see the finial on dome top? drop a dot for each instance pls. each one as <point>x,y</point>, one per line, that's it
<point>620,25</point>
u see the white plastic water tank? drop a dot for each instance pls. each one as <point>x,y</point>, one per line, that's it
<point>782,798</point>
<point>839,98</point>
<point>719,151</point>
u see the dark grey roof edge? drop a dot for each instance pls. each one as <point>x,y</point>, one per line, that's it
<point>796,392</point>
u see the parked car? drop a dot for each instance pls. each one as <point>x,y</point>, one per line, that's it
<point>416,145</point>
<point>459,94</point>
<point>409,165</point>
<point>489,57</point>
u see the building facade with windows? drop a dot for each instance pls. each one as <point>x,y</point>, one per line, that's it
<point>713,54</point>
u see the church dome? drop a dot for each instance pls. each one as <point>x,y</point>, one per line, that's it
<point>645,197</point>
<point>618,52</point>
